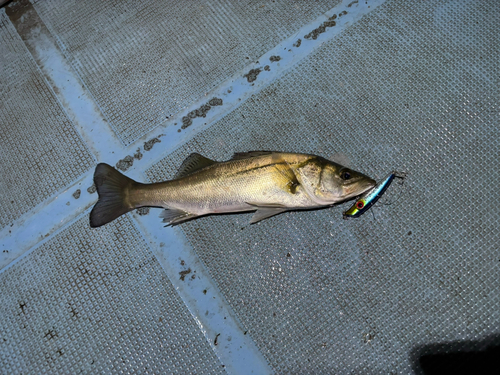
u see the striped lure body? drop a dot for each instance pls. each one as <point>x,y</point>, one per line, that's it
<point>368,199</point>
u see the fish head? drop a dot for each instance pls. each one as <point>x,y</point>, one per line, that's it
<point>327,182</point>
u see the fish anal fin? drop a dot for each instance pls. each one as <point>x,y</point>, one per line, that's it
<point>193,163</point>
<point>173,216</point>
<point>266,210</point>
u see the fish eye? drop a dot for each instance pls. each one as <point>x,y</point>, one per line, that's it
<point>345,175</point>
<point>360,205</point>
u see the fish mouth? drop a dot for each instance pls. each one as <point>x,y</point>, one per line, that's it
<point>359,187</point>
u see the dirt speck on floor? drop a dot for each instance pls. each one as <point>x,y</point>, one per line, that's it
<point>125,163</point>
<point>330,23</point>
<point>252,74</point>
<point>149,144</point>
<point>184,273</point>
<point>92,189</point>
<point>138,154</point>
<point>142,211</point>
<point>215,102</point>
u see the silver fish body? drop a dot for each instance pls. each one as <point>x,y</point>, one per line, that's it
<point>266,182</point>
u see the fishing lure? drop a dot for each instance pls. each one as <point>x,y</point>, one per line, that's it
<point>368,199</point>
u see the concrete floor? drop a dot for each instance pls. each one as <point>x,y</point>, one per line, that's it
<point>377,85</point>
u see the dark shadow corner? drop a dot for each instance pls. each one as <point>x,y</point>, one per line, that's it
<point>458,357</point>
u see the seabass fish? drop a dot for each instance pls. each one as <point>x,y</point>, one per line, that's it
<point>262,181</point>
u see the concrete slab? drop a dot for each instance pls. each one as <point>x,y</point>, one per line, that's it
<point>97,301</point>
<point>41,152</point>
<point>378,85</point>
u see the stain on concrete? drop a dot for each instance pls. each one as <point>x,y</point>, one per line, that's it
<point>77,194</point>
<point>24,18</point>
<point>142,211</point>
<point>215,102</point>
<point>199,112</point>
<point>184,273</point>
<point>92,189</point>
<point>297,43</point>
<point>125,163</point>
<point>149,144</point>
<point>275,58</point>
<point>343,13</point>
<point>138,154</point>
<point>252,74</point>
<point>267,68</point>
<point>330,23</point>
<point>352,3</point>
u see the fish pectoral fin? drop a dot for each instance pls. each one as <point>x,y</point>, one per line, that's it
<point>266,210</point>
<point>289,181</point>
<point>173,216</point>
<point>193,163</point>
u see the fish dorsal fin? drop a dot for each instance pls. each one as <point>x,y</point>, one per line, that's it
<point>250,154</point>
<point>193,163</point>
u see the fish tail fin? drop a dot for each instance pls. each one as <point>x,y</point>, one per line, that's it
<point>113,188</point>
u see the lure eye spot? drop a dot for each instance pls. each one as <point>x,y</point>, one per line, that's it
<point>359,205</point>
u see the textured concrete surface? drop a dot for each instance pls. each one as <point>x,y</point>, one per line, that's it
<point>377,85</point>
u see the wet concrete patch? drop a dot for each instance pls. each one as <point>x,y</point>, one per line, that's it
<point>77,194</point>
